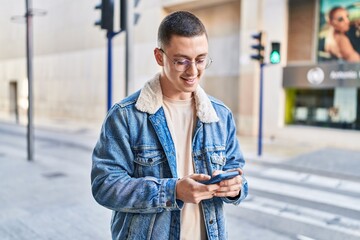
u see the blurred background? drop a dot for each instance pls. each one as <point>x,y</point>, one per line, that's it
<point>304,183</point>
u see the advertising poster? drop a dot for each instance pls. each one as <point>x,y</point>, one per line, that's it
<point>339,31</point>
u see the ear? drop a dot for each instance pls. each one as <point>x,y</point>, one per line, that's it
<point>158,57</point>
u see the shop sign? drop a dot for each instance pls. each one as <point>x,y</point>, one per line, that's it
<point>329,75</point>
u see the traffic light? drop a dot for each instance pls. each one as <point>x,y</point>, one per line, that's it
<point>275,53</point>
<point>107,15</point>
<point>259,46</point>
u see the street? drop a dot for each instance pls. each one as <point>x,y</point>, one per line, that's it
<point>298,204</point>
<point>314,195</point>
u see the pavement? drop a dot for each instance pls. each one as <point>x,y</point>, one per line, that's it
<point>50,197</point>
<point>331,160</point>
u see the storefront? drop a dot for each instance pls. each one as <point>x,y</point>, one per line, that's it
<point>324,95</point>
<point>322,78</point>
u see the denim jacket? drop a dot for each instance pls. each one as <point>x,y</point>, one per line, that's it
<point>134,165</point>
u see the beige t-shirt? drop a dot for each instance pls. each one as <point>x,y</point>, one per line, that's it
<point>180,116</point>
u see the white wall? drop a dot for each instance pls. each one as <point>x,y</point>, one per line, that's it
<point>249,70</point>
<point>70,58</point>
<point>276,14</point>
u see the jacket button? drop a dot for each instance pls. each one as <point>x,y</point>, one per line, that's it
<point>211,221</point>
<point>168,203</point>
<point>150,160</point>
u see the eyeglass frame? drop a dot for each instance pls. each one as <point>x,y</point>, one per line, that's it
<point>189,63</point>
<point>341,18</point>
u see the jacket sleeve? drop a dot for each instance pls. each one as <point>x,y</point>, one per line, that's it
<point>112,169</point>
<point>234,159</point>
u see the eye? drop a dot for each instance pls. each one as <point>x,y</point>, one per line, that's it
<point>182,62</point>
<point>200,61</point>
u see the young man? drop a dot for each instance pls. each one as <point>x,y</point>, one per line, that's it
<point>158,145</point>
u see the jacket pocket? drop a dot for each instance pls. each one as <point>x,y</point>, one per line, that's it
<point>216,158</point>
<point>149,163</point>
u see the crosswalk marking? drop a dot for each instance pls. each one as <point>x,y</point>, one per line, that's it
<point>305,193</point>
<point>302,237</point>
<point>315,180</point>
<point>303,214</point>
<point>272,187</point>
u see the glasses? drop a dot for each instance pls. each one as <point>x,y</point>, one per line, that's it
<point>341,19</point>
<point>181,65</point>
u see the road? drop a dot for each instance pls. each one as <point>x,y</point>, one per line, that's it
<point>50,198</point>
<point>297,204</point>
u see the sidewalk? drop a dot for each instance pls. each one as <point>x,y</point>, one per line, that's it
<point>326,160</point>
<point>49,198</point>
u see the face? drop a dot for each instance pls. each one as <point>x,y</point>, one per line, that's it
<point>175,84</point>
<point>340,20</point>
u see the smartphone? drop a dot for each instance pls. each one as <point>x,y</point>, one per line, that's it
<point>221,177</point>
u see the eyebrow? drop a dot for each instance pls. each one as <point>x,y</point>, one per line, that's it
<point>184,56</point>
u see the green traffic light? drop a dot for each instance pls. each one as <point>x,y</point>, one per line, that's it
<point>275,57</point>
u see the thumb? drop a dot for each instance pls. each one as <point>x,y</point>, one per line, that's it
<point>217,172</point>
<point>200,177</point>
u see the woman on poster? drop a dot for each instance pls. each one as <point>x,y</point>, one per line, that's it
<point>337,42</point>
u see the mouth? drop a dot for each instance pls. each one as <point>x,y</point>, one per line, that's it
<point>190,81</point>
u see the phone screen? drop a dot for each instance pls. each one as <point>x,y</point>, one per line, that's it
<point>221,177</point>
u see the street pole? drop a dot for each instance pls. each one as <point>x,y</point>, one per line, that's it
<point>29,55</point>
<point>109,36</point>
<point>129,46</point>
<point>260,109</point>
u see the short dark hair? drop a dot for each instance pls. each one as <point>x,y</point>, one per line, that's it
<point>181,23</point>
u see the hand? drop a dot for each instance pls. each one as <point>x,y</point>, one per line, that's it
<point>189,190</point>
<point>230,187</point>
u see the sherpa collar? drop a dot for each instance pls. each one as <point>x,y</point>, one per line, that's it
<point>151,100</point>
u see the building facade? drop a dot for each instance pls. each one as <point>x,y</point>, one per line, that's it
<point>70,65</point>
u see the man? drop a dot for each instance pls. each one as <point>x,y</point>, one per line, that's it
<point>158,145</point>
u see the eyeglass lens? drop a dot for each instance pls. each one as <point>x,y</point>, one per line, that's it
<point>183,65</point>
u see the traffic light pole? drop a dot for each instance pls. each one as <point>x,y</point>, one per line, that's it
<point>127,20</point>
<point>260,37</point>
<point>109,36</point>
<point>260,130</point>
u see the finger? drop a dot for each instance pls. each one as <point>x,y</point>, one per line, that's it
<point>234,181</point>
<point>230,186</point>
<point>229,189</point>
<point>204,188</point>
<point>236,169</point>
<point>201,195</point>
<point>217,172</point>
<point>207,189</point>
<point>240,171</point>
<point>204,197</point>
<point>200,177</point>
<point>212,187</point>
<point>227,194</point>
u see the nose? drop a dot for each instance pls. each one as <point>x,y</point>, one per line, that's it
<point>192,69</point>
